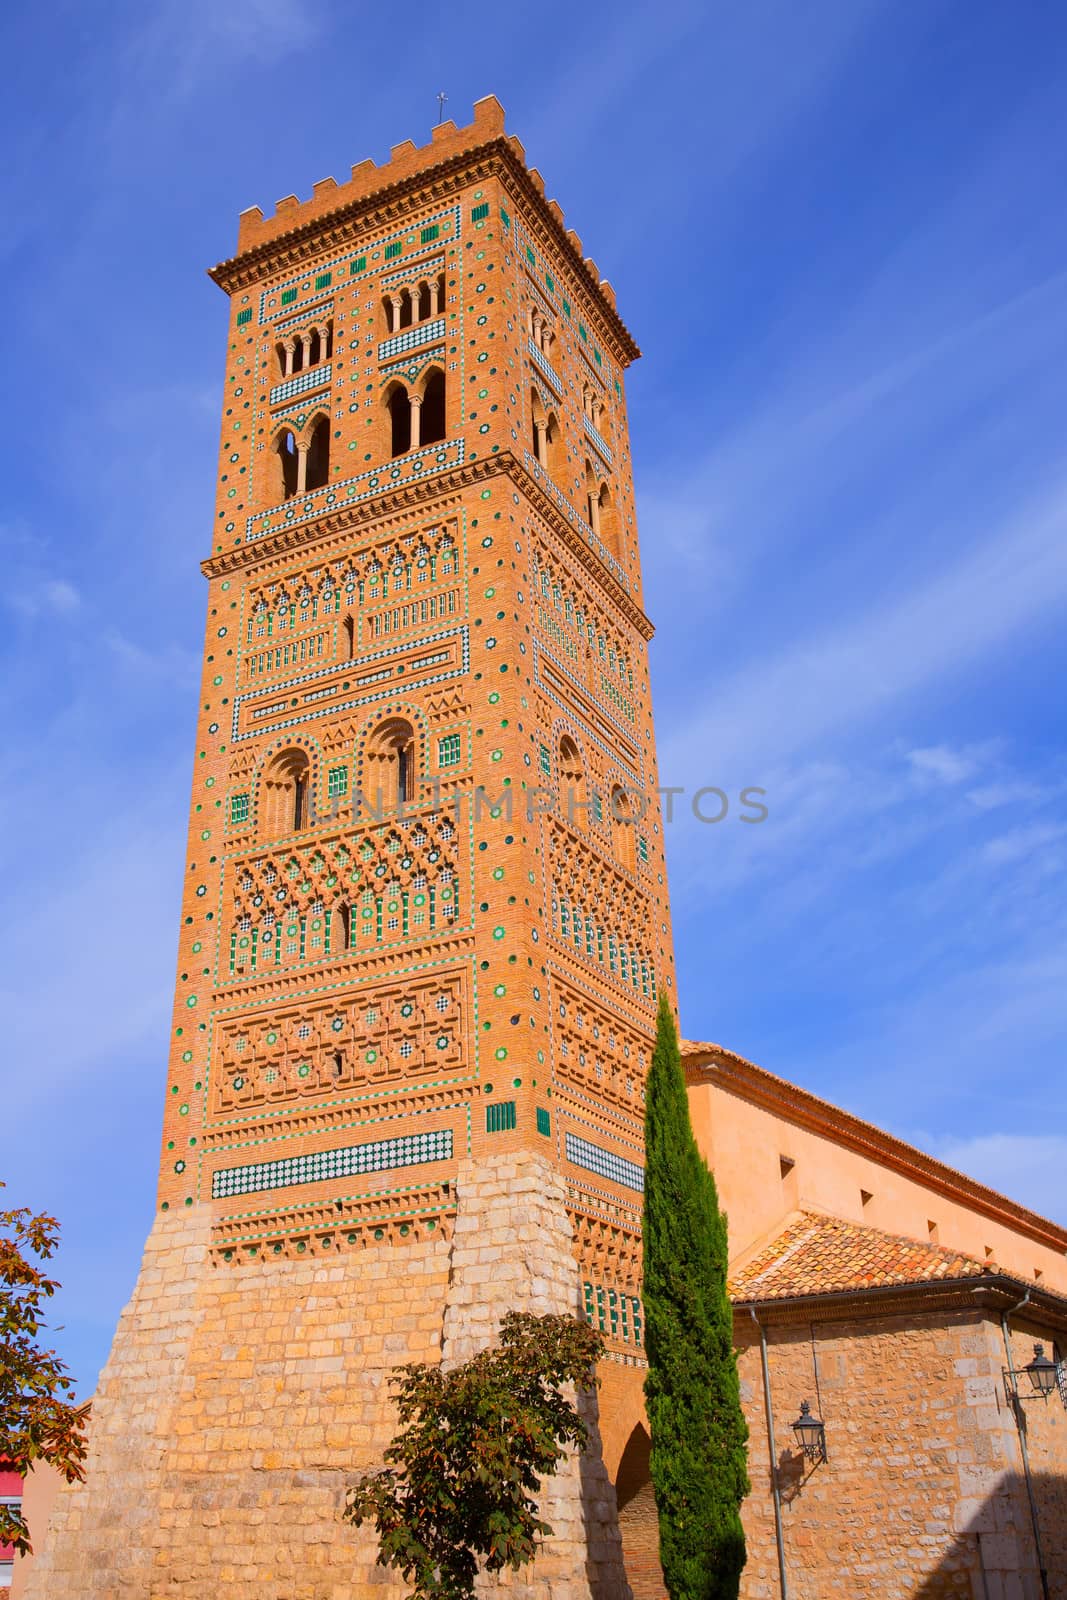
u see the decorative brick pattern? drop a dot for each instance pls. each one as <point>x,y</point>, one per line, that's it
<point>364,1010</point>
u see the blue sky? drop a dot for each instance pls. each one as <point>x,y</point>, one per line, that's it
<point>836,230</point>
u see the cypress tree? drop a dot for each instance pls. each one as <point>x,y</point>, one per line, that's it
<point>697,1427</point>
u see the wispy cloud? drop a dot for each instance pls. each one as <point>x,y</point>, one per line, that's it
<point>179,44</point>
<point>941,764</point>
<point>855,668</point>
<point>1027,1167</point>
<point>1020,843</point>
<point>45,596</point>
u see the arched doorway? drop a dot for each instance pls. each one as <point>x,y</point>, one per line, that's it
<point>638,1523</point>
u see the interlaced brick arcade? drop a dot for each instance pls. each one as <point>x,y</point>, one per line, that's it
<point>424,926</point>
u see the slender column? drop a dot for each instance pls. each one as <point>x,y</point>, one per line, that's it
<point>594,511</point>
<point>416,408</point>
<point>541,440</point>
<point>302,465</point>
<point>394,301</point>
<point>290,351</point>
<point>535,323</point>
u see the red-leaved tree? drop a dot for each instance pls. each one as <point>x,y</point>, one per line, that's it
<point>38,1422</point>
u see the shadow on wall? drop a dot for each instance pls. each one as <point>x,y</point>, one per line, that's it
<point>638,1522</point>
<point>992,1555</point>
<point>994,1548</point>
<point>604,1553</point>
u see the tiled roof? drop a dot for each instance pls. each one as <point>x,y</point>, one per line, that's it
<point>823,1255</point>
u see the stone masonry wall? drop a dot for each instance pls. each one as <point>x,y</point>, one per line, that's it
<point>239,1402</point>
<point>512,1251</point>
<point>923,1494</point>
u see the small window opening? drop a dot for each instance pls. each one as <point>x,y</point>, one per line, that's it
<point>433,409</point>
<point>400,421</point>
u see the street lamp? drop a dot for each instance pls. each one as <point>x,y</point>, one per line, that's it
<point>810,1434</point>
<point>1042,1372</point>
<point>1044,1376</point>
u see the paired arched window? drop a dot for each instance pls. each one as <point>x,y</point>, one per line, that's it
<point>389,766</point>
<point>540,330</point>
<point>406,307</point>
<point>298,352</point>
<point>592,405</point>
<point>601,510</point>
<point>545,433</point>
<point>304,462</point>
<point>416,415</point>
<point>285,793</point>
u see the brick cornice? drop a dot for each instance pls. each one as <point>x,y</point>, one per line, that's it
<point>381,207</point>
<point>724,1069</point>
<point>391,502</point>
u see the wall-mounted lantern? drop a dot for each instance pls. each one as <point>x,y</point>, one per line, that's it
<point>810,1434</point>
<point>1043,1377</point>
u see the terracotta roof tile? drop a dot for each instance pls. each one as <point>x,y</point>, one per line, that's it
<point>822,1255</point>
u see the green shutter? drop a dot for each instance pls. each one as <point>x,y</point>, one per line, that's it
<point>500,1116</point>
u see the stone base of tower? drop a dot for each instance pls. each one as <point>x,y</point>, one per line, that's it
<point>239,1402</point>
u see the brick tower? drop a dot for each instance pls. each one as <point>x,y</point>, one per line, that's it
<point>425,911</point>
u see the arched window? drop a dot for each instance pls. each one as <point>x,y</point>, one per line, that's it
<point>390,764</point>
<point>623,829</point>
<point>285,447</point>
<point>433,408</point>
<point>540,429</point>
<point>571,781</point>
<point>341,929</point>
<point>545,435</point>
<point>592,498</point>
<point>350,637</point>
<point>281,359</point>
<point>425,302</point>
<point>314,347</point>
<point>284,794</point>
<point>407,309</point>
<point>327,341</point>
<point>399,408</point>
<point>608,524</point>
<point>318,463</point>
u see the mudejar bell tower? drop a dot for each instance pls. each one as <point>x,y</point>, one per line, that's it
<point>425,915</point>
